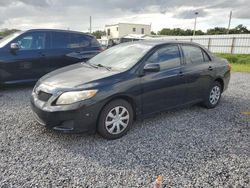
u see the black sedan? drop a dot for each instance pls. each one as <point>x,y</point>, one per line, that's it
<point>126,82</point>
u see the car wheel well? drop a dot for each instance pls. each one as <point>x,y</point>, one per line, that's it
<point>126,98</point>
<point>221,82</point>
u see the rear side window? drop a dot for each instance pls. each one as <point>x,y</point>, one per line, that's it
<point>60,40</point>
<point>167,56</point>
<point>193,54</point>
<point>206,57</point>
<point>79,40</point>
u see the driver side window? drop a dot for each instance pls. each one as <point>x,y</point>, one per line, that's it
<point>167,57</point>
<point>32,41</point>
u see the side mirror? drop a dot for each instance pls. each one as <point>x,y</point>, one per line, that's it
<point>152,67</point>
<point>14,46</point>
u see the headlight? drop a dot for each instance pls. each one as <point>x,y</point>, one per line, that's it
<point>75,96</point>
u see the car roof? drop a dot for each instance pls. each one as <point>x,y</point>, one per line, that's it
<point>162,41</point>
<point>58,30</point>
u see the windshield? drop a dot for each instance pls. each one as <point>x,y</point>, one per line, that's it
<point>121,57</point>
<point>9,38</point>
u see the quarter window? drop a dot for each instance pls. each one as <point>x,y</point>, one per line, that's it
<point>193,55</point>
<point>78,41</point>
<point>168,57</point>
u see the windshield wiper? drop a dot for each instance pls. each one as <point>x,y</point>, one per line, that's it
<point>92,65</point>
<point>106,67</point>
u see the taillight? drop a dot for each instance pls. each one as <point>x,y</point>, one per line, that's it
<point>229,66</point>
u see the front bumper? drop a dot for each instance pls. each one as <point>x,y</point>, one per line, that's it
<point>78,117</point>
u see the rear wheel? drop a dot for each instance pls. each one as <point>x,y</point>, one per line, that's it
<point>115,119</point>
<point>212,98</point>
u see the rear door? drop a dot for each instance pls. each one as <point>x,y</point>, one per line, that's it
<point>198,71</point>
<point>29,61</point>
<point>60,42</point>
<point>166,88</point>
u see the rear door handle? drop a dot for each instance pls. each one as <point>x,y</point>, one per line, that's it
<point>181,73</point>
<point>210,68</point>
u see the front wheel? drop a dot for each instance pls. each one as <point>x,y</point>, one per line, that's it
<point>115,119</point>
<point>212,99</point>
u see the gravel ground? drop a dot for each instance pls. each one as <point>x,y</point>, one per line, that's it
<point>191,147</point>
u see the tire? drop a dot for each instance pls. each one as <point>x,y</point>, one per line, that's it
<point>213,96</point>
<point>115,119</point>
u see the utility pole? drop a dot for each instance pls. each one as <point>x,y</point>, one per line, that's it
<point>229,22</point>
<point>90,24</point>
<point>195,22</point>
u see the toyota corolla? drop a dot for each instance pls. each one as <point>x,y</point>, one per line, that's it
<point>126,82</point>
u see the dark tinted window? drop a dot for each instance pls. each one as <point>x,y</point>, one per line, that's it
<point>94,42</point>
<point>192,54</point>
<point>60,40</point>
<point>167,57</point>
<point>79,40</point>
<point>142,31</point>
<point>206,58</point>
<point>32,41</point>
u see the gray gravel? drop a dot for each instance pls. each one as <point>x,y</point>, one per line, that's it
<point>191,147</point>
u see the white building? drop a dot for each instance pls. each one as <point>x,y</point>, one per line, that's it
<point>122,29</point>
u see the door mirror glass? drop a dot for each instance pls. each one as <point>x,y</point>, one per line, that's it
<point>14,46</point>
<point>151,67</point>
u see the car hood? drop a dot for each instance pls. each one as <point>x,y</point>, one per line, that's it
<point>75,76</point>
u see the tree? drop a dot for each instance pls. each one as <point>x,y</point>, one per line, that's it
<point>240,29</point>
<point>98,34</point>
<point>217,31</point>
<point>153,33</point>
<point>6,32</point>
<point>179,32</point>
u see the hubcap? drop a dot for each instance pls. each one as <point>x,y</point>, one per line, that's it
<point>214,95</point>
<point>117,120</point>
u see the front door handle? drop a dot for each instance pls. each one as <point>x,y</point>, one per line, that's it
<point>42,54</point>
<point>210,68</point>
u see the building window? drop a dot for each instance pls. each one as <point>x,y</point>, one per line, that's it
<point>108,32</point>
<point>142,30</point>
<point>117,28</point>
<point>134,29</point>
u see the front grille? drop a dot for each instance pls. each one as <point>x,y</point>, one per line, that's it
<point>43,96</point>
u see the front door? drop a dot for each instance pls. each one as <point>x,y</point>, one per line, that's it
<point>27,62</point>
<point>166,88</point>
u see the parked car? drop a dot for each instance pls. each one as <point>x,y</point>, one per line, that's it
<point>126,82</point>
<point>27,56</point>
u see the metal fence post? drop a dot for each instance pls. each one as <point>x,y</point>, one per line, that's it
<point>233,44</point>
<point>209,43</point>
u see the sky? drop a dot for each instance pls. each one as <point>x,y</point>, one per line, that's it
<point>74,14</point>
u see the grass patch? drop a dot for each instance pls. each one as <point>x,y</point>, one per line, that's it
<point>239,62</point>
